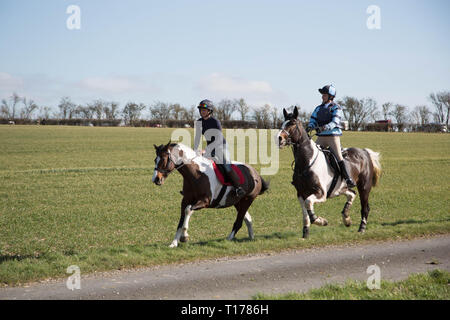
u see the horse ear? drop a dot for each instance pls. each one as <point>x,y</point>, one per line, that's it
<point>155,146</point>
<point>285,113</point>
<point>295,112</point>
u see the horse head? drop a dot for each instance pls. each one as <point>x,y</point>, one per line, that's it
<point>164,163</point>
<point>291,131</point>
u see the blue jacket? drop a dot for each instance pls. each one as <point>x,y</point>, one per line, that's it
<point>328,115</point>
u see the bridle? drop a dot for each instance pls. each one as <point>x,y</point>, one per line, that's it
<point>166,169</point>
<point>288,135</point>
<point>296,144</point>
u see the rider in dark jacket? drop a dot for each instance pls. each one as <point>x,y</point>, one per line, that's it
<point>208,123</point>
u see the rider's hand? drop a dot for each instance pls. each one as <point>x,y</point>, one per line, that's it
<point>308,129</point>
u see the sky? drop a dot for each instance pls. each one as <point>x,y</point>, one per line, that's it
<point>274,52</point>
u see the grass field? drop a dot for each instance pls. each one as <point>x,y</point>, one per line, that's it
<point>83,196</point>
<point>434,285</point>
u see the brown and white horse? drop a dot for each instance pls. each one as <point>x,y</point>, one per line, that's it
<point>202,189</point>
<point>313,176</point>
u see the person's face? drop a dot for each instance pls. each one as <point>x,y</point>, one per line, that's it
<point>204,113</point>
<point>325,97</point>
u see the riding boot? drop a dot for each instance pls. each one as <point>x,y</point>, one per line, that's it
<point>344,174</point>
<point>236,183</point>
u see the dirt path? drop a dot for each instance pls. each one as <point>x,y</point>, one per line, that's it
<point>242,277</point>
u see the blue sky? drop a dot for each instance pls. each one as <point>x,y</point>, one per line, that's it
<point>276,52</point>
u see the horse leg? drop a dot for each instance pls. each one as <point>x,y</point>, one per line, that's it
<point>309,202</point>
<point>187,215</point>
<point>345,212</point>
<point>175,241</point>
<point>241,208</point>
<point>306,221</point>
<point>249,223</point>
<point>364,197</point>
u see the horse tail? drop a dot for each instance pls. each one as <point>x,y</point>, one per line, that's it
<point>375,158</point>
<point>265,186</point>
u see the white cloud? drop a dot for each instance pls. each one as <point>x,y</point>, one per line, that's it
<point>255,92</point>
<point>9,83</point>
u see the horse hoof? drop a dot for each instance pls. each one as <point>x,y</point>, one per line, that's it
<point>362,229</point>
<point>173,245</point>
<point>321,222</point>
<point>305,233</point>
<point>184,238</point>
<point>347,222</point>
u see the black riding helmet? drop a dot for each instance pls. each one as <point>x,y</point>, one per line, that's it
<point>206,104</point>
<point>329,89</point>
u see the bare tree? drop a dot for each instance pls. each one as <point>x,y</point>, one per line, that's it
<point>421,115</point>
<point>242,108</point>
<point>262,116</point>
<point>357,112</point>
<point>85,112</point>
<point>98,107</point>
<point>29,106</point>
<point>8,109</point>
<point>111,110</point>
<point>132,112</point>
<point>276,116</point>
<point>160,111</point>
<point>225,109</point>
<point>441,102</point>
<point>400,115</point>
<point>386,110</point>
<point>176,111</point>
<point>44,112</point>
<point>189,114</point>
<point>66,107</point>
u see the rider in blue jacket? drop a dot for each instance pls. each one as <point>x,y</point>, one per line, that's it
<point>326,120</point>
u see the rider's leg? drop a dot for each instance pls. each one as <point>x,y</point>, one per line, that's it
<point>231,173</point>
<point>335,145</point>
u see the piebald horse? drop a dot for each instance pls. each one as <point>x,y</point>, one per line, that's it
<point>313,176</point>
<point>202,189</point>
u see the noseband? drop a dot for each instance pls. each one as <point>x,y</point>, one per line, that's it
<point>166,169</point>
<point>288,139</point>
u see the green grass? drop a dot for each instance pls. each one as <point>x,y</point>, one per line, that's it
<point>83,196</point>
<point>434,285</point>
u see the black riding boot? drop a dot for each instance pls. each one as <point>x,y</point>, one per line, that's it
<point>344,174</point>
<point>236,183</point>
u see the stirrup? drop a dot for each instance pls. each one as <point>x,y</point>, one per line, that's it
<point>239,191</point>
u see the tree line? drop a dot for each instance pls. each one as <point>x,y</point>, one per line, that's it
<point>233,112</point>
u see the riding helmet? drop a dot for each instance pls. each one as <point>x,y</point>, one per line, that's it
<point>328,89</point>
<point>206,104</point>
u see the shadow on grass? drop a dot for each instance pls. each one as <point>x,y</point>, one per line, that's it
<point>275,235</point>
<point>411,221</point>
<point>18,257</point>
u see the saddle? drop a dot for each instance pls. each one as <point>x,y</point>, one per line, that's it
<point>333,164</point>
<point>222,176</point>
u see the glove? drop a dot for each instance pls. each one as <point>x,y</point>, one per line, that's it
<point>308,129</point>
